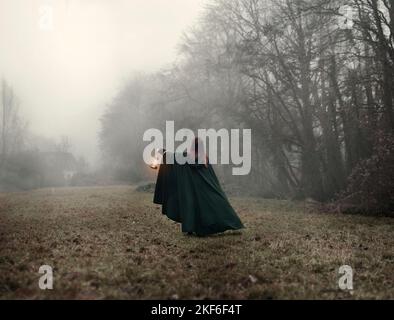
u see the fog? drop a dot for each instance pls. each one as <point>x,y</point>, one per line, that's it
<point>312,80</point>
<point>139,137</point>
<point>65,72</point>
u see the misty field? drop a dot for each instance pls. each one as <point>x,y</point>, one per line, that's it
<point>112,242</point>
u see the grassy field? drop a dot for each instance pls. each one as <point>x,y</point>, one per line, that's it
<point>113,242</point>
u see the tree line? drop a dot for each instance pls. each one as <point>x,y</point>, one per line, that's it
<point>29,161</point>
<point>313,80</point>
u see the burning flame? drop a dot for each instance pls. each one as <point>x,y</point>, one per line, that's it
<point>155,160</point>
<point>154,163</point>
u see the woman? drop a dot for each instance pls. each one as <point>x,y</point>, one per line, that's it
<point>191,195</point>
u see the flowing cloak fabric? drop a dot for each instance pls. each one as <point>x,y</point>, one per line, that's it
<point>191,195</point>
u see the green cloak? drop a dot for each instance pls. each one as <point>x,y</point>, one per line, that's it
<point>191,195</point>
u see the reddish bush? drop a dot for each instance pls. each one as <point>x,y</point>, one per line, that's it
<point>370,187</point>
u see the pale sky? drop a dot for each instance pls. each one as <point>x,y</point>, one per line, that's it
<point>65,69</point>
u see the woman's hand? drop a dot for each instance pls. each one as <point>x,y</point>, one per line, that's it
<point>157,159</point>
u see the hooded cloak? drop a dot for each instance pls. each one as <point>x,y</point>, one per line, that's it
<point>191,195</point>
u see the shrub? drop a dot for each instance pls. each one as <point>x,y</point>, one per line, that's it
<point>370,187</point>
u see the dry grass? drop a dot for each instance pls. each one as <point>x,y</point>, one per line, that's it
<point>114,243</point>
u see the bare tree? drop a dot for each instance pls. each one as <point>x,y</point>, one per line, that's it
<point>12,127</point>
